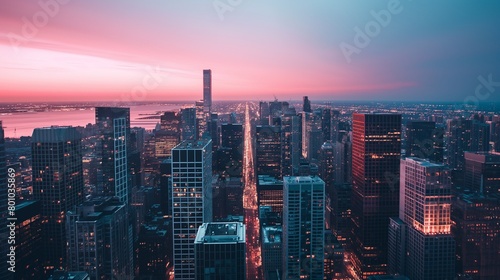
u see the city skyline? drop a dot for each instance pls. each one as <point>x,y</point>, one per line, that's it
<point>327,50</point>
<point>327,140</point>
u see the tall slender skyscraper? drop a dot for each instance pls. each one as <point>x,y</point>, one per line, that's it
<point>303,227</point>
<point>57,184</point>
<point>207,90</point>
<point>306,107</point>
<point>425,208</point>
<point>188,124</point>
<point>112,150</point>
<point>191,200</point>
<point>376,152</point>
<point>290,141</point>
<point>268,150</point>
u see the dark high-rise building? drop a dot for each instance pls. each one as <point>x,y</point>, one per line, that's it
<point>303,227</point>
<point>98,239</point>
<point>424,140</point>
<point>480,137</point>
<point>188,124</point>
<point>342,161</point>
<point>155,247</point>
<point>376,152</point>
<point>207,90</point>
<point>425,207</point>
<point>29,241</point>
<point>228,162</point>
<point>326,124</point>
<point>220,251</point>
<point>270,193</point>
<point>326,166</point>
<point>170,121</point>
<point>290,142</point>
<point>268,150</point>
<point>459,141</point>
<point>202,120</point>
<point>334,257</point>
<point>232,138</point>
<point>191,200</point>
<point>214,130</point>
<point>113,152</point>
<point>340,209</point>
<point>482,172</point>
<point>264,113</point>
<point>166,186</point>
<point>306,107</point>
<point>477,232</point>
<point>495,136</point>
<point>271,248</point>
<point>58,185</point>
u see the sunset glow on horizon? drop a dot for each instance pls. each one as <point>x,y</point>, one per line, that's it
<point>101,51</point>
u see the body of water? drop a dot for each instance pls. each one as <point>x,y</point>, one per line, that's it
<point>22,124</point>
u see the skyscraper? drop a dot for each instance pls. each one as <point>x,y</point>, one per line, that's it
<point>207,90</point>
<point>232,138</point>
<point>268,150</point>
<point>98,239</point>
<point>477,233</point>
<point>376,152</point>
<point>29,241</point>
<point>201,120</point>
<point>459,141</point>
<point>188,124</point>
<point>112,150</point>
<point>424,140</point>
<point>482,172</point>
<point>290,142</point>
<point>306,107</point>
<point>303,227</point>
<point>220,251</point>
<point>57,184</point>
<point>425,208</point>
<point>191,200</point>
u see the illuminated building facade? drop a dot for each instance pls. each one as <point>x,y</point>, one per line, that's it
<point>57,184</point>
<point>268,150</point>
<point>477,231</point>
<point>303,227</point>
<point>98,239</point>
<point>376,152</point>
<point>482,172</point>
<point>112,149</point>
<point>191,200</point>
<point>425,210</point>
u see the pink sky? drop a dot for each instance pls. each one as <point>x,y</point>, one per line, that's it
<point>97,51</point>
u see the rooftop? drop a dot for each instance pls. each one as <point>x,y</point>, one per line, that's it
<point>424,162</point>
<point>302,179</point>
<point>221,232</point>
<point>192,144</point>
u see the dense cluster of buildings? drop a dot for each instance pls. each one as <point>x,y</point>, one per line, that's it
<point>340,195</point>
